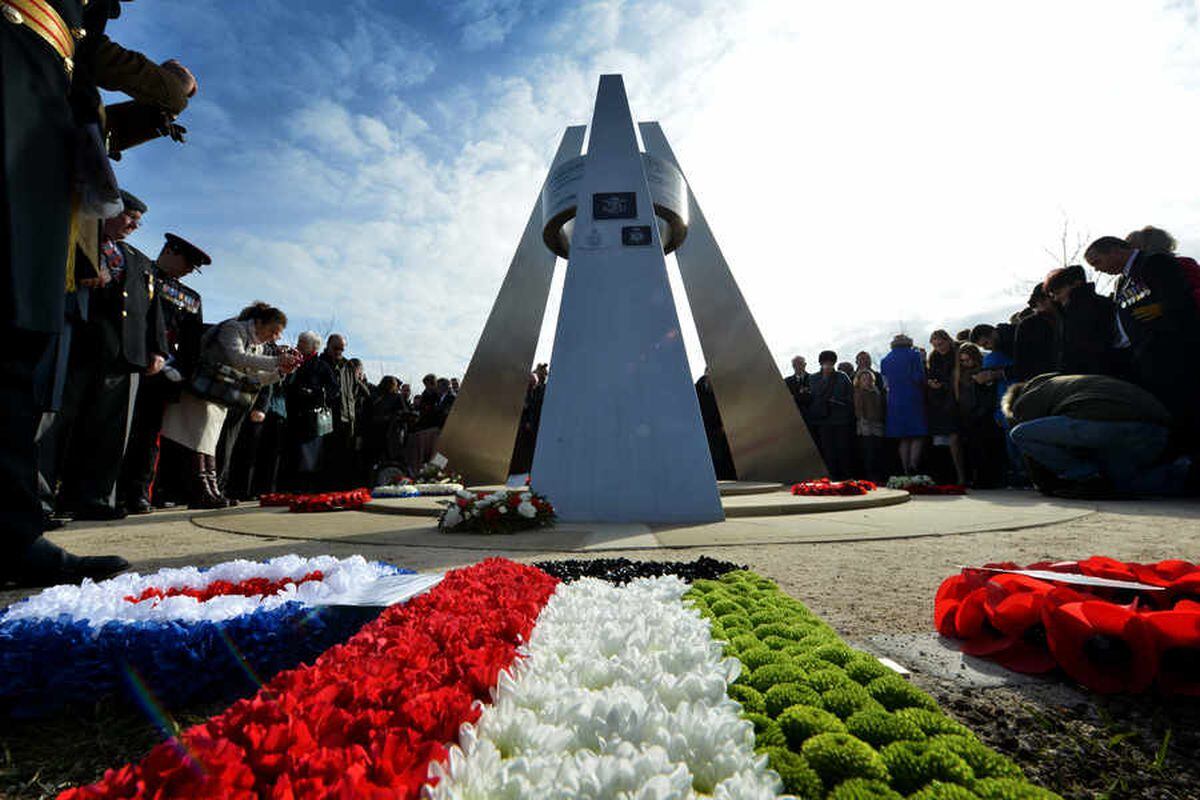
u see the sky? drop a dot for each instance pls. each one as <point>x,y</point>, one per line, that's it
<point>867,167</point>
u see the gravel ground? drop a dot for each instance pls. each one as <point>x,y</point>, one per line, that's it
<point>1126,747</point>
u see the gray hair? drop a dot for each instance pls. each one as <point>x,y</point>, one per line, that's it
<point>311,337</point>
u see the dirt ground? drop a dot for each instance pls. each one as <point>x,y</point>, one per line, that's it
<point>1128,747</point>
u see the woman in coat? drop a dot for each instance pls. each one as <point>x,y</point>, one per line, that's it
<point>315,390</point>
<point>904,375</point>
<point>940,403</point>
<point>195,422</point>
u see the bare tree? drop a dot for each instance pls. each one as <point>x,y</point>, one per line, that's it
<point>1070,244</point>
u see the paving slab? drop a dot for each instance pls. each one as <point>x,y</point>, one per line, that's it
<point>939,657</point>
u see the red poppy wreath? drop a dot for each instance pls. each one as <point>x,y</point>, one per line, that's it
<point>325,501</point>
<point>823,487</point>
<point>1137,626</point>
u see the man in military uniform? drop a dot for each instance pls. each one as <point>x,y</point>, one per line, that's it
<point>183,321</point>
<point>122,338</point>
<point>1158,324</point>
<point>37,134</point>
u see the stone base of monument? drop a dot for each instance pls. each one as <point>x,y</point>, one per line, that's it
<point>739,499</point>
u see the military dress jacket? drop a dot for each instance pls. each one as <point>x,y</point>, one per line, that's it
<point>127,316</point>
<point>37,144</point>
<point>183,321</point>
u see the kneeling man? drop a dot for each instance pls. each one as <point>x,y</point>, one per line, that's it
<point>1092,435</point>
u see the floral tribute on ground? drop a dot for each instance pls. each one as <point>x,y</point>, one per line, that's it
<point>1109,639</point>
<point>504,682</point>
<point>181,634</point>
<point>324,501</point>
<point>411,489</point>
<point>923,484</point>
<point>823,487</point>
<point>503,511</point>
<point>367,717</point>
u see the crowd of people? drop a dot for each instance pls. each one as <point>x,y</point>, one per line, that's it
<point>1079,393</point>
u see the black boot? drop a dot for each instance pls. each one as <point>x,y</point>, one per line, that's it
<point>202,495</point>
<point>46,564</point>
<point>214,485</point>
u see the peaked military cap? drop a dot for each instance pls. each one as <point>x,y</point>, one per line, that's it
<point>195,256</point>
<point>132,203</point>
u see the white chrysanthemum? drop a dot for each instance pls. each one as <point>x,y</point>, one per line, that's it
<point>619,693</point>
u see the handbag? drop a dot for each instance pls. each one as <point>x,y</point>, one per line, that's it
<point>224,385</point>
<point>320,421</point>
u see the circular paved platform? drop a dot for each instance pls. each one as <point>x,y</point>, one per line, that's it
<point>925,516</point>
<point>727,488</point>
<point>747,500</point>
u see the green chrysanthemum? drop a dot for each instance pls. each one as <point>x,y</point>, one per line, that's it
<point>864,668</point>
<point>783,696</point>
<point>799,778</point>
<point>1011,789</point>
<point>984,762</point>
<point>759,720</point>
<point>721,608</point>
<point>943,791</point>
<point>768,675</point>
<point>784,630</point>
<point>838,654</point>
<point>933,723</point>
<point>771,736</point>
<point>879,728</point>
<point>913,765</point>
<point>742,642</point>
<point>863,789</point>
<point>800,723</point>
<point>849,699</point>
<point>756,657</point>
<point>837,757</point>
<point>823,680</point>
<point>894,693</point>
<point>750,698</point>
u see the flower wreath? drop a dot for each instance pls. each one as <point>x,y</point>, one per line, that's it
<point>823,487</point>
<point>505,511</point>
<point>324,501</point>
<point>416,490</point>
<point>178,635</point>
<point>1107,637</point>
<point>923,484</point>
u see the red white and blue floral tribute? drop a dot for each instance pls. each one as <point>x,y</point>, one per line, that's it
<point>575,679</point>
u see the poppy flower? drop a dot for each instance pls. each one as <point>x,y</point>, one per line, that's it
<point>1163,573</point>
<point>1177,639</point>
<point>949,598</point>
<point>1013,604</point>
<point>1103,646</point>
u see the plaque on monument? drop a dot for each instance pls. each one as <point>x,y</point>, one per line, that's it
<point>636,236</point>
<point>614,205</point>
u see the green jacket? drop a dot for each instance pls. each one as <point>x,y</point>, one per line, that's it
<point>1092,397</point>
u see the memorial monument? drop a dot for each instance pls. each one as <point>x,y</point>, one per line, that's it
<point>621,437</point>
